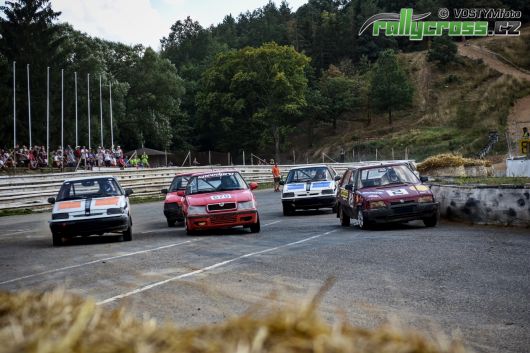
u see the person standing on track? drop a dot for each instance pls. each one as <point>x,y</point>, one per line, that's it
<point>276,175</point>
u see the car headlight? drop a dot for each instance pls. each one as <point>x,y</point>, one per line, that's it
<point>424,199</point>
<point>114,210</point>
<point>248,205</point>
<point>377,204</point>
<point>288,194</point>
<point>196,210</point>
<point>327,192</point>
<point>60,216</point>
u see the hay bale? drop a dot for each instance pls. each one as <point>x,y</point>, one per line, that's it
<point>451,165</point>
<point>57,322</point>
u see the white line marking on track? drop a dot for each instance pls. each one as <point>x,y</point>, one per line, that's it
<point>96,261</point>
<point>208,268</point>
<point>271,223</point>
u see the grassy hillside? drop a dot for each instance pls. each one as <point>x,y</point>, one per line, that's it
<point>453,111</point>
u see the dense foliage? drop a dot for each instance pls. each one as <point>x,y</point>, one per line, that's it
<point>244,83</point>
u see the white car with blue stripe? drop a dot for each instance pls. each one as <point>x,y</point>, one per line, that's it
<point>309,187</point>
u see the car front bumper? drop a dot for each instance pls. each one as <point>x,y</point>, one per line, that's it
<point>321,201</point>
<point>222,220</point>
<point>401,213</point>
<point>173,212</point>
<point>118,223</point>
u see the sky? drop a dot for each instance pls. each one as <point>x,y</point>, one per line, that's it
<point>147,21</point>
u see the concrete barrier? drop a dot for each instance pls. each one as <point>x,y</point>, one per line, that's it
<point>502,205</point>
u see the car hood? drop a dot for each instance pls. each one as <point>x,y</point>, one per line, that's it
<point>395,192</point>
<point>172,197</point>
<point>315,185</point>
<point>218,197</point>
<point>96,206</point>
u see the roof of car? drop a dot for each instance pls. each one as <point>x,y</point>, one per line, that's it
<point>94,177</point>
<point>214,172</point>
<point>310,166</point>
<point>376,164</point>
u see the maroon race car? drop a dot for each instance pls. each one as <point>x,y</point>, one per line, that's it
<point>384,193</point>
<point>220,199</point>
<point>174,198</point>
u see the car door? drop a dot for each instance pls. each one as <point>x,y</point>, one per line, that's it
<point>350,206</point>
<point>342,193</point>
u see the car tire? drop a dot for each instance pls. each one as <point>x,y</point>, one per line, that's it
<point>170,223</point>
<point>431,221</point>
<point>57,240</point>
<point>127,235</point>
<point>361,222</point>
<point>188,230</point>
<point>344,218</point>
<point>255,228</point>
<point>288,210</point>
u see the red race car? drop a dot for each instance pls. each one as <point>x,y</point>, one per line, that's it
<point>174,198</point>
<point>385,193</point>
<point>220,199</point>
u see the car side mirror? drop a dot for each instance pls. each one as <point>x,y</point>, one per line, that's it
<point>349,187</point>
<point>181,193</point>
<point>253,185</point>
<point>282,182</point>
<point>51,200</point>
<point>128,192</point>
<point>164,191</point>
<point>337,177</point>
<point>424,179</point>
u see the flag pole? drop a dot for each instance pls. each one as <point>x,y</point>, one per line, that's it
<point>88,100</point>
<point>29,110</point>
<point>47,115</point>
<point>14,114</point>
<point>111,126</point>
<point>100,113</point>
<point>62,117</point>
<point>75,85</point>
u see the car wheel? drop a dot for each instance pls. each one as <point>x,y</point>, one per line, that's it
<point>188,230</point>
<point>57,240</point>
<point>360,220</point>
<point>344,218</point>
<point>170,223</point>
<point>288,210</point>
<point>255,228</point>
<point>431,221</point>
<point>127,235</point>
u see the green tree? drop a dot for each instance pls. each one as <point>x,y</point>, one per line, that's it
<point>443,51</point>
<point>340,92</point>
<point>390,87</point>
<point>252,95</point>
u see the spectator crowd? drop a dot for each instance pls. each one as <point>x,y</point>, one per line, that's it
<point>79,157</point>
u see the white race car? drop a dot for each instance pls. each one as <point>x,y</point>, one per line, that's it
<point>309,187</point>
<point>90,205</point>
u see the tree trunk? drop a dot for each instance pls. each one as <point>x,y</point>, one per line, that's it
<point>276,138</point>
<point>390,116</point>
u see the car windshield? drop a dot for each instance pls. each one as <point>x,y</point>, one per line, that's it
<point>212,182</point>
<point>387,175</point>
<point>91,188</point>
<point>308,174</point>
<point>179,183</point>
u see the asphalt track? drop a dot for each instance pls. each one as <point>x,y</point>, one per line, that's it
<point>457,280</point>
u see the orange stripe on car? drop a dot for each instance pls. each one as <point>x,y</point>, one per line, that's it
<point>69,204</point>
<point>108,201</point>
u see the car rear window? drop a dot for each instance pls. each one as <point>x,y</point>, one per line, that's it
<point>213,182</point>
<point>308,174</point>
<point>91,188</point>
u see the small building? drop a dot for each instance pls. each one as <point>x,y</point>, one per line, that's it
<point>156,158</point>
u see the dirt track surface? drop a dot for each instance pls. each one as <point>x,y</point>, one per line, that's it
<point>452,278</point>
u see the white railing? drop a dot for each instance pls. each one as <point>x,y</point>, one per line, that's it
<point>32,191</point>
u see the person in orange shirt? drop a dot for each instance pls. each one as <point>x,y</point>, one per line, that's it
<point>276,175</point>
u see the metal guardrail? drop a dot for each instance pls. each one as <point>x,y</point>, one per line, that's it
<point>32,191</point>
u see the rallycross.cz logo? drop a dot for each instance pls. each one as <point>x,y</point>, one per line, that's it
<point>406,24</point>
